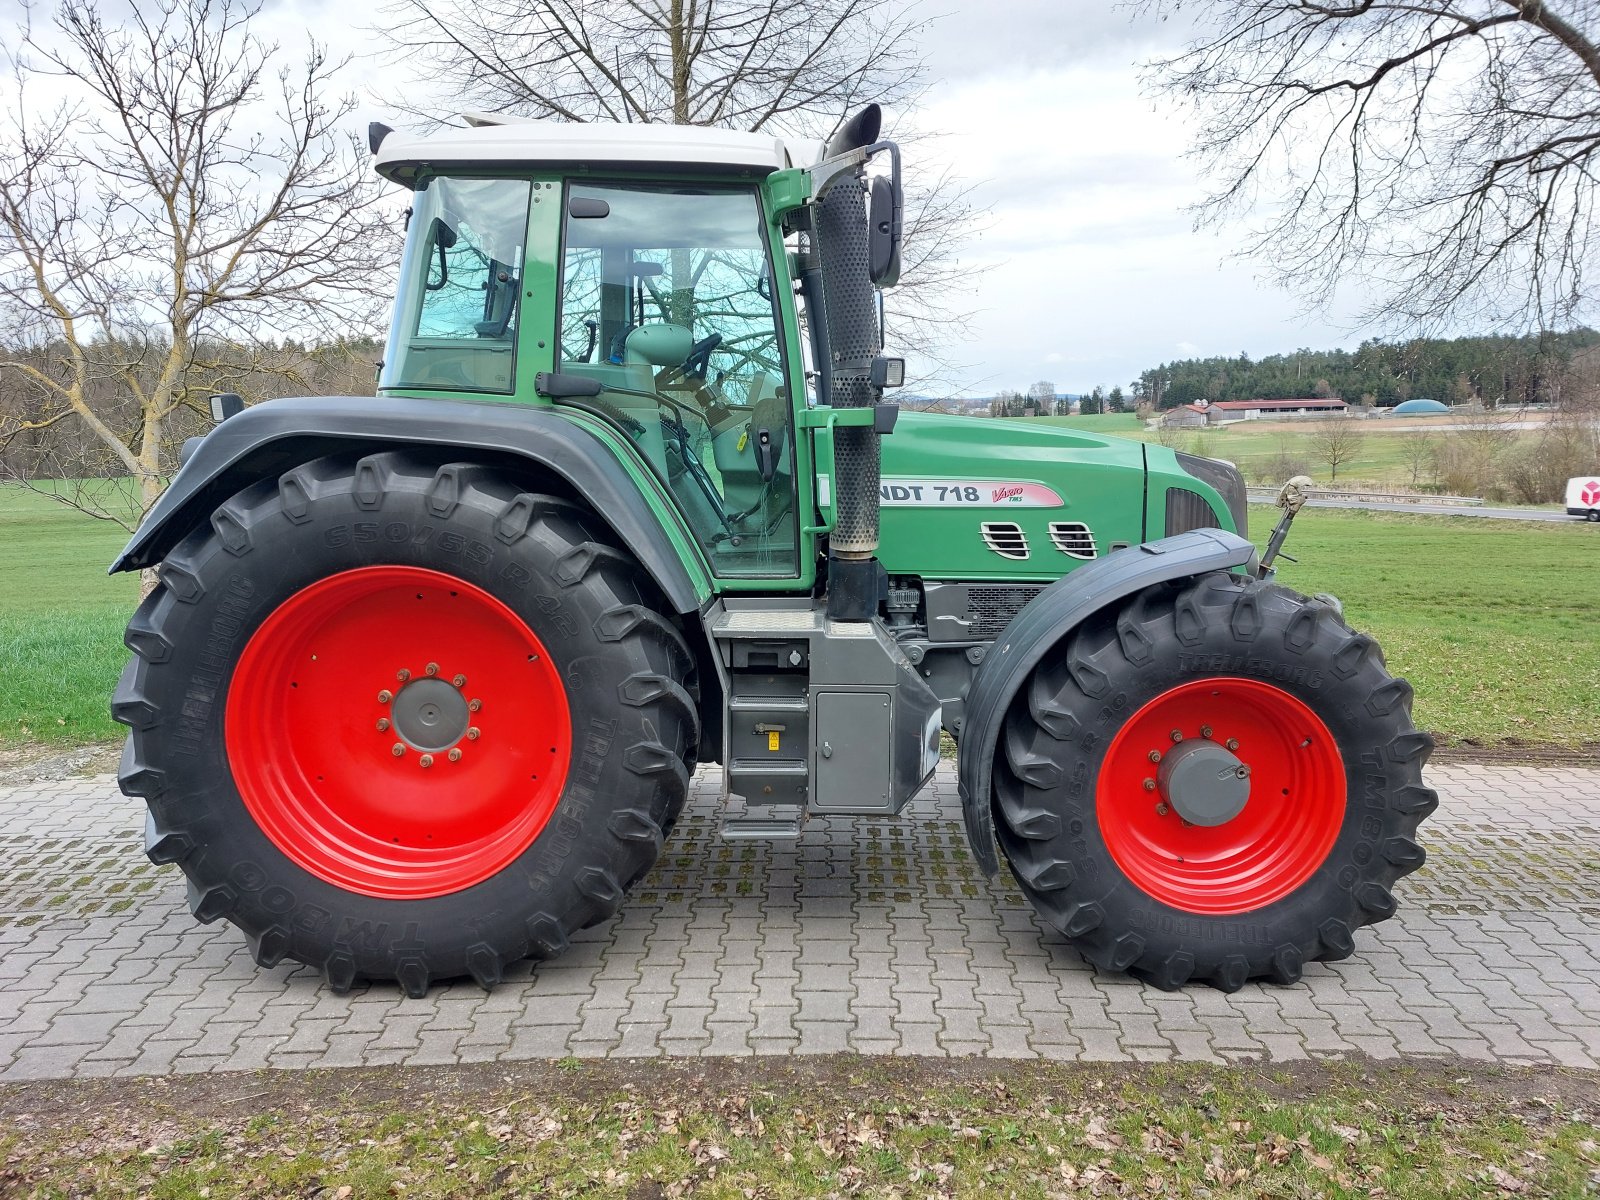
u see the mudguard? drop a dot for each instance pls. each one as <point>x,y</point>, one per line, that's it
<point>1063,605</point>
<point>268,439</point>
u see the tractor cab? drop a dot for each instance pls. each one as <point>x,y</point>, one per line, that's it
<point>655,299</point>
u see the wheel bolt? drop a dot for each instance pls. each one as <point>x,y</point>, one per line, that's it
<point>1232,743</point>
<point>1205,731</point>
<point>402,674</point>
<point>474,705</point>
<point>383,724</point>
<point>460,681</point>
<point>385,696</point>
<point>1155,756</point>
<point>399,749</point>
<point>1243,771</point>
<point>1176,735</point>
<point>472,734</point>
<point>431,669</point>
<point>455,754</point>
<point>1149,785</point>
<point>426,760</point>
<point>1161,810</point>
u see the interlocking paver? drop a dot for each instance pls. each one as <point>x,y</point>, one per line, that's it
<point>873,936</point>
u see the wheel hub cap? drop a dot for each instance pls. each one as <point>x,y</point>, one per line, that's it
<point>430,714</point>
<point>1205,783</point>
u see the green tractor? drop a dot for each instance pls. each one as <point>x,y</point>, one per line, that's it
<point>425,677</point>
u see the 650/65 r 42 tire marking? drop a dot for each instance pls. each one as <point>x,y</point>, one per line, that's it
<point>398,732</point>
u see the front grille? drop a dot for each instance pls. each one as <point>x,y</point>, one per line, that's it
<point>1073,538</point>
<point>991,607</point>
<point>1188,510</point>
<point>1006,539</point>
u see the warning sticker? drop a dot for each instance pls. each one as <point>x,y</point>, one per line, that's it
<point>966,493</point>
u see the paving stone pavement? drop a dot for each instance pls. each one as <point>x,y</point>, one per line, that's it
<point>874,936</point>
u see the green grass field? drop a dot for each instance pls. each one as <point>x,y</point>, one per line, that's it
<point>784,1128</point>
<point>1381,460</point>
<point>1493,622</point>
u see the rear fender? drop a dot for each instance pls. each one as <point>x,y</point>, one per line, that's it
<point>1046,619</point>
<point>267,440</point>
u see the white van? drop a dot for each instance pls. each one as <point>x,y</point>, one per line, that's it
<point>1583,497</point>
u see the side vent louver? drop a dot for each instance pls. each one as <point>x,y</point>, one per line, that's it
<point>1006,539</point>
<point>1074,539</point>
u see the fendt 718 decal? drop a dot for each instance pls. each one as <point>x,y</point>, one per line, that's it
<point>970,493</point>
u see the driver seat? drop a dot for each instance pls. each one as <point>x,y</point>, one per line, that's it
<point>657,345</point>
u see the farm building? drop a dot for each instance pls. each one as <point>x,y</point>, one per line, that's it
<point>1188,416</point>
<point>1256,410</point>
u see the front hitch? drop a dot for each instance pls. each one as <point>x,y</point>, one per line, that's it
<point>1292,498</point>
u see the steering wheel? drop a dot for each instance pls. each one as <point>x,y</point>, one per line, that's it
<point>699,360</point>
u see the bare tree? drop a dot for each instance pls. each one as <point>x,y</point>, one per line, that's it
<point>1420,452</point>
<point>169,223</point>
<point>1444,152</point>
<point>762,65</point>
<point>1336,441</point>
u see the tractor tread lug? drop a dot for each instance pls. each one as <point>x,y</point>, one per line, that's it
<point>129,704</point>
<point>485,965</point>
<point>163,846</point>
<point>635,825</point>
<point>1082,917</point>
<point>1287,964</point>
<point>211,903</point>
<point>443,493</point>
<point>269,946</point>
<point>546,937</point>
<point>1376,900</point>
<point>1231,973</point>
<point>1404,853</point>
<point>339,970</point>
<point>232,531</point>
<point>601,886</point>
<point>1172,972</point>
<point>370,482</point>
<point>1337,939</point>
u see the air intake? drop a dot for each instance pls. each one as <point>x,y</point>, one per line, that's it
<point>1006,539</point>
<point>1074,539</point>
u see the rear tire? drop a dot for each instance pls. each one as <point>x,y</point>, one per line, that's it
<point>1324,735</point>
<point>372,832</point>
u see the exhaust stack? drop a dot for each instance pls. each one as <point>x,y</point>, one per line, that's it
<point>856,579</point>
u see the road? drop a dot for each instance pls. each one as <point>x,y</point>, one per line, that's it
<point>1449,510</point>
<point>872,936</point>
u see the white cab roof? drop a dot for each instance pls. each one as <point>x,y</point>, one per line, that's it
<point>502,141</point>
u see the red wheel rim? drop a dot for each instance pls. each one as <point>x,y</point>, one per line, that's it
<point>1282,835</point>
<point>319,703</point>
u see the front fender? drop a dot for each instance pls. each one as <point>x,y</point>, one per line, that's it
<point>266,440</point>
<point>1050,615</point>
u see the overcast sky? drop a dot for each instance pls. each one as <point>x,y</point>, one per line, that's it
<point>1093,270</point>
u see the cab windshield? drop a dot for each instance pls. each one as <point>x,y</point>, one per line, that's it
<point>455,319</point>
<point>667,301</point>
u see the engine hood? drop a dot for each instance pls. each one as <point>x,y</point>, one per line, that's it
<point>970,498</point>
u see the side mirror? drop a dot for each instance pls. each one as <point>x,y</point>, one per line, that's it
<point>885,222</point>
<point>225,405</point>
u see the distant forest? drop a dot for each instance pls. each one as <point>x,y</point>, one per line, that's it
<point>1495,371</point>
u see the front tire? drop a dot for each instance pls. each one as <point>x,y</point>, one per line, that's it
<point>405,721</point>
<point>1218,781</point>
